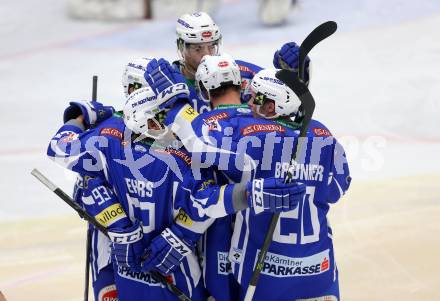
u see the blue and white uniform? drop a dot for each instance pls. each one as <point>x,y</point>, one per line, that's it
<point>220,284</point>
<point>153,186</point>
<point>300,263</point>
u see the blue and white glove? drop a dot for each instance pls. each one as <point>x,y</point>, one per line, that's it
<point>273,195</point>
<point>167,82</point>
<point>127,246</point>
<point>94,112</point>
<point>167,251</point>
<point>288,58</point>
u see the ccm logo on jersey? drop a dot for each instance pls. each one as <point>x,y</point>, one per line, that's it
<point>108,293</point>
<point>277,265</point>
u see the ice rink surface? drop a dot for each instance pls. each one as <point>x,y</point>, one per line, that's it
<point>376,84</point>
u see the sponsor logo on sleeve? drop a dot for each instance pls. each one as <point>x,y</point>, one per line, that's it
<point>110,215</point>
<point>277,265</point>
<point>183,218</point>
<point>188,113</point>
<point>262,128</point>
<point>320,132</point>
<point>111,132</point>
<point>224,266</point>
<point>71,136</point>
<point>108,293</point>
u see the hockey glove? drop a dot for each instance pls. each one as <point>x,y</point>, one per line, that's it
<point>127,246</point>
<point>273,195</point>
<point>167,251</point>
<point>94,112</point>
<point>288,58</point>
<point>167,82</point>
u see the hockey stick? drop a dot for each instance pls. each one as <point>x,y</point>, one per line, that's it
<point>86,216</point>
<point>296,82</point>
<point>89,231</point>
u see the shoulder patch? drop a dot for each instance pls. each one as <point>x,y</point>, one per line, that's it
<point>320,132</point>
<point>111,132</point>
<point>259,128</point>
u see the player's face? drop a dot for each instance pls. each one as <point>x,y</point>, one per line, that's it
<point>194,53</point>
<point>260,107</point>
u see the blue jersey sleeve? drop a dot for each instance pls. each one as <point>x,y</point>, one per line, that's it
<point>81,152</point>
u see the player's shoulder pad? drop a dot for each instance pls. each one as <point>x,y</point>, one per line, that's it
<point>317,129</point>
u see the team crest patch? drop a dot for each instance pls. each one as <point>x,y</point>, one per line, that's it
<point>320,132</point>
<point>111,132</point>
<point>262,128</point>
<point>70,137</point>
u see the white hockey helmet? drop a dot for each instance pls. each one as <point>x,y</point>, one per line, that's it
<point>197,28</point>
<point>268,87</point>
<point>215,71</point>
<point>133,76</point>
<point>141,107</point>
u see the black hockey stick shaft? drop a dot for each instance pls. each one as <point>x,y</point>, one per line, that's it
<point>85,215</point>
<point>89,231</point>
<point>296,82</point>
<point>95,88</point>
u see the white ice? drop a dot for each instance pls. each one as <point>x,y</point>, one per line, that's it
<point>376,81</point>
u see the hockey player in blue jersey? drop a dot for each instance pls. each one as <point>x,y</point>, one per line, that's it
<point>122,170</point>
<point>300,263</point>
<point>103,282</point>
